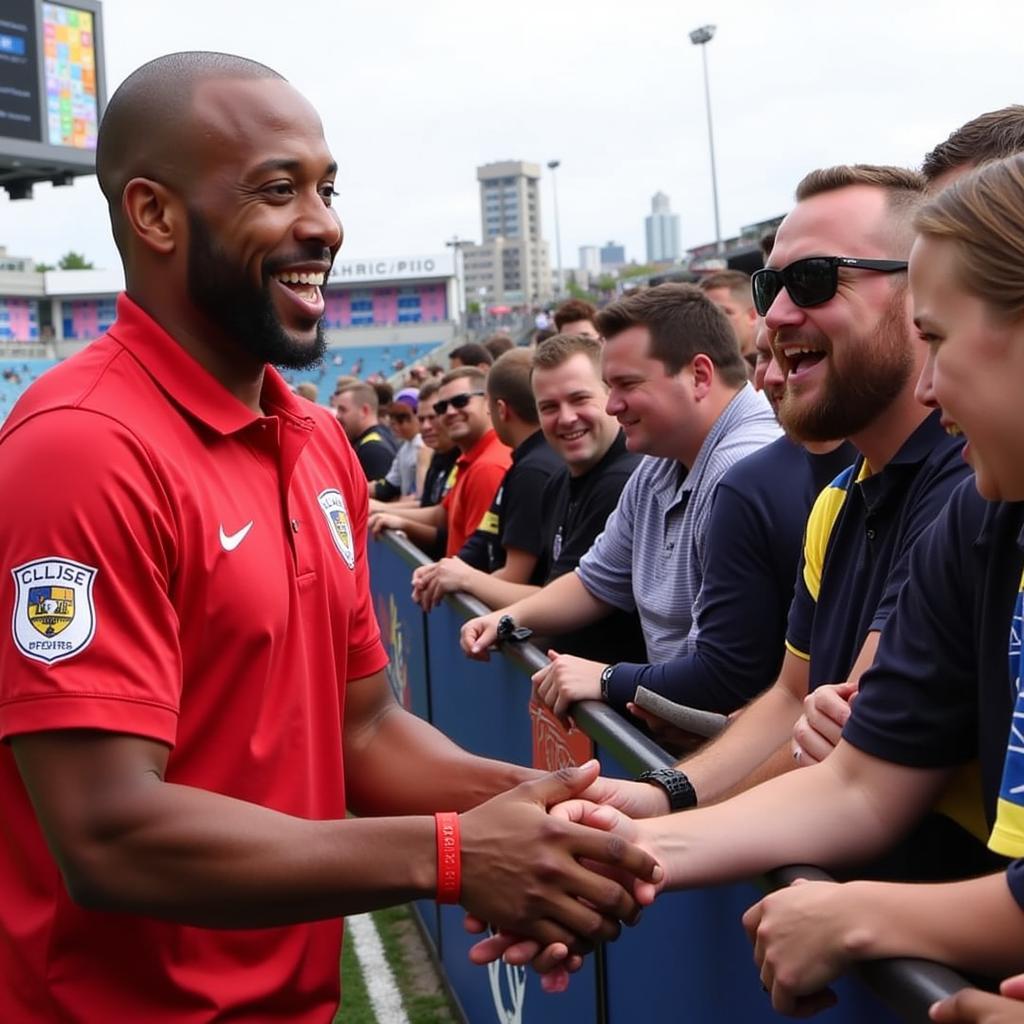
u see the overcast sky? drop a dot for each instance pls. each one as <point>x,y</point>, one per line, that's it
<point>414,95</point>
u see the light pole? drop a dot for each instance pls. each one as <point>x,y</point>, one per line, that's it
<point>457,243</point>
<point>701,37</point>
<point>552,167</point>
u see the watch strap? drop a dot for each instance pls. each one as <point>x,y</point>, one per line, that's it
<point>606,677</point>
<point>678,788</point>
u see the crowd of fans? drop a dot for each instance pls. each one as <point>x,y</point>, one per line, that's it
<point>753,497</point>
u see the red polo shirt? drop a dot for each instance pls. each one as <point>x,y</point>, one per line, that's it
<point>177,567</point>
<point>478,477</point>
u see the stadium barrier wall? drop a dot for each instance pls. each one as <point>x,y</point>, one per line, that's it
<point>689,957</point>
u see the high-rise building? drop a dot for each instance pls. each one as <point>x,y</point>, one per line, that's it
<point>512,266</point>
<point>662,231</point>
<point>613,256</point>
<point>590,259</point>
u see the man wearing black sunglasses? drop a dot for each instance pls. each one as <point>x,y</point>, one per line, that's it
<point>461,404</point>
<point>841,333</point>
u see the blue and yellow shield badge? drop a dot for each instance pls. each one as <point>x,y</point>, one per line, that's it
<point>333,506</point>
<point>53,609</point>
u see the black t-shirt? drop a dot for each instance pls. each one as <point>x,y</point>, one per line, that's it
<point>514,518</point>
<point>574,512</point>
<point>940,692</point>
<point>375,449</point>
<point>436,482</point>
<point>753,549</point>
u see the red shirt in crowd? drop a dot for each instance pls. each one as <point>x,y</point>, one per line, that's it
<point>478,477</point>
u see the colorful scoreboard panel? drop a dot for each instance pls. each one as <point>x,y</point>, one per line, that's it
<point>69,54</point>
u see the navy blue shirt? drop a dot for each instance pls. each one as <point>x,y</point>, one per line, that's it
<point>754,542</point>
<point>940,692</point>
<point>514,519</point>
<point>855,549</point>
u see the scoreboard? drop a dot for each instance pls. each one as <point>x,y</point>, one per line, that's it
<point>52,91</point>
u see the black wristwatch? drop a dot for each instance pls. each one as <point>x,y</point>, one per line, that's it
<point>508,630</point>
<point>681,795</point>
<point>606,677</point>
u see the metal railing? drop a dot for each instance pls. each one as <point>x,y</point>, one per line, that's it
<point>907,985</point>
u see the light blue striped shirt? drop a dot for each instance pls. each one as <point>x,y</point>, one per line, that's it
<point>650,556</point>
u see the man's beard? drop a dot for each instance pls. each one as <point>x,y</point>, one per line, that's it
<point>860,387</point>
<point>244,311</point>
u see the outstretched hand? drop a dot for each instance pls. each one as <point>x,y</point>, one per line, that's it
<point>558,959</point>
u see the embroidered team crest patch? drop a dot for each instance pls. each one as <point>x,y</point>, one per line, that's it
<point>54,616</point>
<point>333,505</point>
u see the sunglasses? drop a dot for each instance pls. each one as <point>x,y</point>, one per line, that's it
<point>456,401</point>
<point>811,281</point>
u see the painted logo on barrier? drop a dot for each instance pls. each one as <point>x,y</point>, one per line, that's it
<point>554,746</point>
<point>394,642</point>
<point>508,990</point>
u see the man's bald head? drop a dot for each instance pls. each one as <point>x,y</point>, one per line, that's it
<point>147,125</point>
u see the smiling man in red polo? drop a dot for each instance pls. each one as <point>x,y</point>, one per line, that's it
<point>192,691</point>
<point>462,404</point>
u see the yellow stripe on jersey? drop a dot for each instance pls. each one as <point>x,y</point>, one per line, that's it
<point>1008,832</point>
<point>798,653</point>
<point>489,523</point>
<point>372,436</point>
<point>820,522</point>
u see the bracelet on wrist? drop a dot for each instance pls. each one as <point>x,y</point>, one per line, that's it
<point>449,857</point>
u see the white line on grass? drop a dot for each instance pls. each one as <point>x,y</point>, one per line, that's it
<point>380,982</point>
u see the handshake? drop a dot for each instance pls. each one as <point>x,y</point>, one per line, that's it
<point>556,866</point>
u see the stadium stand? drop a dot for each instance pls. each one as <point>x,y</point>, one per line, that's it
<point>15,376</point>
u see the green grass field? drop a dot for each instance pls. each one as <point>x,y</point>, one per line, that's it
<point>422,995</point>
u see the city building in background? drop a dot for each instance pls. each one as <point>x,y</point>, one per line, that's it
<point>590,260</point>
<point>662,230</point>
<point>613,257</point>
<point>512,266</point>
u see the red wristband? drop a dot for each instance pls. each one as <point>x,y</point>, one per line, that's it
<point>449,857</point>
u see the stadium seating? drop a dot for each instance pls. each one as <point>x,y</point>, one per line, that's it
<point>15,376</point>
<point>361,361</point>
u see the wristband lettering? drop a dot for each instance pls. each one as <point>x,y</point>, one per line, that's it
<point>449,857</point>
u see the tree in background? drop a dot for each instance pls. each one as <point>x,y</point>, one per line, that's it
<point>72,260</point>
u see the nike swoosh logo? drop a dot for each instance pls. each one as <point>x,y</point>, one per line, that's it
<point>230,541</point>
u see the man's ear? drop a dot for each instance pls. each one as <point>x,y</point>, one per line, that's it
<point>153,214</point>
<point>502,406</point>
<point>702,370</point>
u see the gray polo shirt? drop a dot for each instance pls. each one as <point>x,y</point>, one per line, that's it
<point>650,556</point>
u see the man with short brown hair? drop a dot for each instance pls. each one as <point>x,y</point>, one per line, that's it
<point>577,316</point>
<point>729,290</point>
<point>357,408</point>
<point>678,387</point>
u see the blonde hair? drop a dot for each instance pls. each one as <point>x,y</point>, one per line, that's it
<point>982,214</point>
